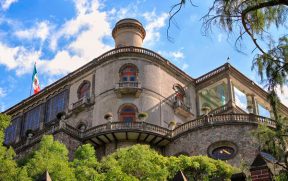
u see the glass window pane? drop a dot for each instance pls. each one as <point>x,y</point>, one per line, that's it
<point>32,119</point>
<point>213,97</point>
<point>56,105</point>
<point>262,111</point>
<point>124,79</point>
<point>132,78</point>
<point>12,131</point>
<point>240,99</point>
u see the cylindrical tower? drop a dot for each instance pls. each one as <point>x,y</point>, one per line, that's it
<point>128,32</point>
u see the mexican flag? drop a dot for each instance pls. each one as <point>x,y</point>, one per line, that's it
<point>35,80</point>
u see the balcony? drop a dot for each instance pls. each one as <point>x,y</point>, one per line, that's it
<point>128,89</point>
<point>181,109</point>
<point>82,103</point>
<point>141,131</point>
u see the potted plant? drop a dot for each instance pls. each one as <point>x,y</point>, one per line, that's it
<point>172,124</point>
<point>108,116</point>
<point>142,116</point>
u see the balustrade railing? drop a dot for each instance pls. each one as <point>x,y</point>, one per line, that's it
<point>130,50</point>
<point>219,109</point>
<point>114,126</point>
<point>210,74</point>
<point>86,100</point>
<point>128,84</point>
<point>182,105</point>
<point>143,126</point>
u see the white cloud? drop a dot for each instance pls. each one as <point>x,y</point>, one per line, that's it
<point>88,29</point>
<point>83,35</point>
<point>2,92</point>
<point>41,30</point>
<point>220,37</point>
<point>184,66</point>
<point>177,54</point>
<point>154,24</point>
<point>283,95</point>
<point>18,58</point>
<point>5,4</point>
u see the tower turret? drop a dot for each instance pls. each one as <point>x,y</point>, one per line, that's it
<point>128,32</point>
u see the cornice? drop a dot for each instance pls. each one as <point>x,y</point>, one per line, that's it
<point>114,53</point>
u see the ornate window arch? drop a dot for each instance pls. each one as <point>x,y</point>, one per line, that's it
<point>84,89</point>
<point>128,73</point>
<point>127,113</point>
<point>179,92</point>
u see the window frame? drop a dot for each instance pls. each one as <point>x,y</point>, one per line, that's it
<point>123,73</point>
<point>87,92</point>
<point>133,115</point>
<point>51,106</point>
<point>16,125</point>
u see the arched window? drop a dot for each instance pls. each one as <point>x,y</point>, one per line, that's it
<point>128,73</point>
<point>127,113</point>
<point>84,89</point>
<point>179,92</point>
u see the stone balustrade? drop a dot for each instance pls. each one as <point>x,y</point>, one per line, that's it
<point>209,120</point>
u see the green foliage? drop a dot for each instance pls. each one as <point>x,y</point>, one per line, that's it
<point>85,164</point>
<point>283,176</point>
<point>4,123</point>
<point>200,168</point>
<point>138,162</point>
<point>8,166</point>
<point>259,20</point>
<point>51,156</point>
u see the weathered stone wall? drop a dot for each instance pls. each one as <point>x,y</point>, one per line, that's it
<point>197,142</point>
<point>71,143</point>
<point>156,82</point>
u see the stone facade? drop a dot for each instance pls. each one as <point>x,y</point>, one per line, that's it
<point>100,102</point>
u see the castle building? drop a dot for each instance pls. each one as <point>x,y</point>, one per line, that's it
<point>132,95</point>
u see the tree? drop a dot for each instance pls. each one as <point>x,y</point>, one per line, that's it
<point>200,168</point>
<point>85,164</point>
<point>257,19</point>
<point>51,156</point>
<point>138,162</point>
<point>8,166</point>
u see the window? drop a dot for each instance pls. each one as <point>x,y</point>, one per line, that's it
<point>222,150</point>
<point>84,89</point>
<point>127,113</point>
<point>32,119</point>
<point>56,105</point>
<point>213,96</point>
<point>179,93</point>
<point>12,131</point>
<point>128,73</point>
<point>262,111</point>
<point>240,99</point>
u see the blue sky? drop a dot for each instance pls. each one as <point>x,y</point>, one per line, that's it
<point>62,35</point>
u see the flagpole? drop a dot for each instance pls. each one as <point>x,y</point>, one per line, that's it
<point>31,85</point>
